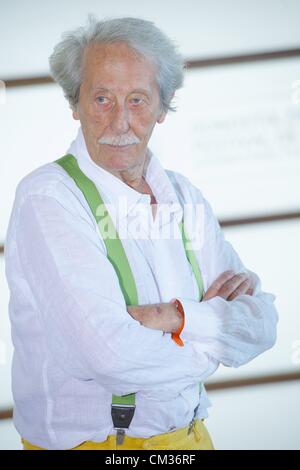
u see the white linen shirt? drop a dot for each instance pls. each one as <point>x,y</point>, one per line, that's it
<point>75,343</point>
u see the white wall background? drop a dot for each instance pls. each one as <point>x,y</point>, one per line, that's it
<point>28,31</point>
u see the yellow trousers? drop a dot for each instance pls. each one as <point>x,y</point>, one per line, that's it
<point>197,439</point>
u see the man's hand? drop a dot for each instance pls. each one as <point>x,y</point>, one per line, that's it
<point>164,316</point>
<point>229,285</point>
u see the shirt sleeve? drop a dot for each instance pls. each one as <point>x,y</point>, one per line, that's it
<point>233,332</point>
<point>82,310</point>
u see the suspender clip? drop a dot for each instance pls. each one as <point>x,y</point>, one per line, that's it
<point>121,416</point>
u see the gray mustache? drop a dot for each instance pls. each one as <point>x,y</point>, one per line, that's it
<point>120,140</point>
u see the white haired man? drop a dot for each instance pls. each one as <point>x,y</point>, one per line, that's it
<point>115,335</point>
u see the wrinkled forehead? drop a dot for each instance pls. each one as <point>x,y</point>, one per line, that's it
<point>117,66</point>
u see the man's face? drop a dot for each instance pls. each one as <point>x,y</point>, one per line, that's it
<point>118,103</point>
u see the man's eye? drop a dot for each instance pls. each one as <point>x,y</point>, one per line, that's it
<point>136,100</point>
<point>101,99</point>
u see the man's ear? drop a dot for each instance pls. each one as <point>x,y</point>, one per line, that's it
<point>163,114</point>
<point>161,117</point>
<point>75,114</point>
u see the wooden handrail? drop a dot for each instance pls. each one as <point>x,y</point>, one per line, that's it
<point>242,58</point>
<point>260,219</point>
<point>252,381</point>
<point>220,385</point>
<point>6,413</point>
<point>28,81</point>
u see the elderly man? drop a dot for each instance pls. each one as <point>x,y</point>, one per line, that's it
<point>120,307</point>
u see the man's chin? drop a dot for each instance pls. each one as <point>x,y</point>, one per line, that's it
<point>120,158</point>
<point>118,161</point>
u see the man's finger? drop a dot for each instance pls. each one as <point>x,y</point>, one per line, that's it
<point>242,289</point>
<point>218,283</point>
<point>233,284</point>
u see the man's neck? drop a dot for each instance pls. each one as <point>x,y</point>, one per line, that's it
<point>133,177</point>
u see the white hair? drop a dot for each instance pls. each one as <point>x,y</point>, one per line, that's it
<point>140,35</point>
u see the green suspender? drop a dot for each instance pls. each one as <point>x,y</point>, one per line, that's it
<point>122,406</point>
<point>192,259</point>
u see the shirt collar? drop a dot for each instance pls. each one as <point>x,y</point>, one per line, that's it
<point>112,188</point>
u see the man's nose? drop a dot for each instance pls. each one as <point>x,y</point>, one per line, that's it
<point>120,120</point>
